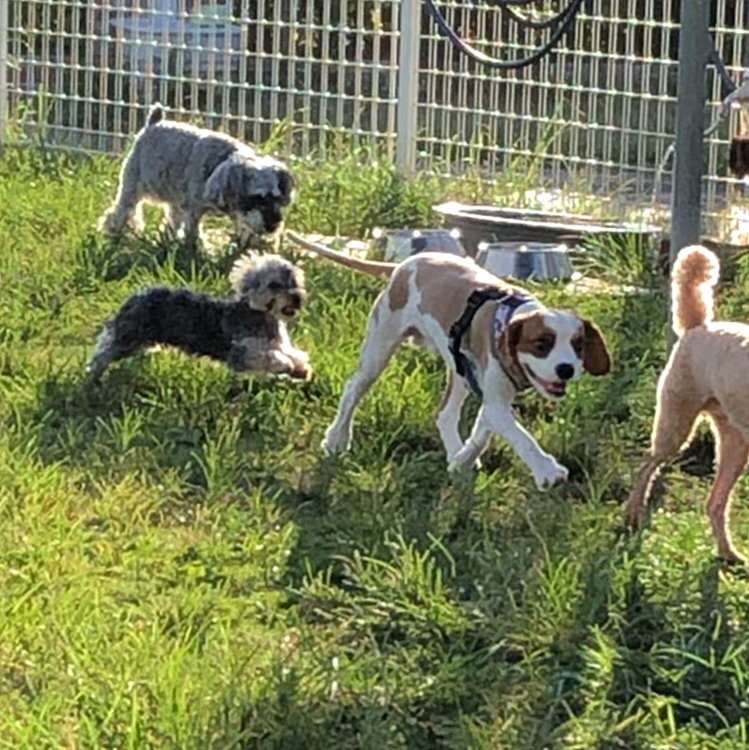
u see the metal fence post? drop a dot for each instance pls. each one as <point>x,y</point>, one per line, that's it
<point>3,69</point>
<point>408,84</point>
<point>690,122</point>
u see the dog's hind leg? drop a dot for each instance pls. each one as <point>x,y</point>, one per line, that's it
<point>676,415</point>
<point>733,451</point>
<point>448,419</point>
<point>384,335</point>
<point>104,353</point>
<point>126,210</point>
<point>110,347</point>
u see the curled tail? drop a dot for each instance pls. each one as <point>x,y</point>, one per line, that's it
<point>155,114</point>
<point>693,277</point>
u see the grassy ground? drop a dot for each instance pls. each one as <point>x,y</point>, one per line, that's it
<point>181,567</point>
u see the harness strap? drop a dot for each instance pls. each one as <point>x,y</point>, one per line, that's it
<point>464,367</point>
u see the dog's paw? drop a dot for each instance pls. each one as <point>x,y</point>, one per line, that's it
<point>301,371</point>
<point>731,556</point>
<point>632,520</point>
<point>335,442</point>
<point>550,473</point>
<point>465,458</point>
<point>458,464</point>
<point>634,514</point>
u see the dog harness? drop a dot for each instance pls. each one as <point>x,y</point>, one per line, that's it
<point>509,302</point>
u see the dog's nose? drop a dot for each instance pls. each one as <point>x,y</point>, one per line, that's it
<point>564,371</point>
<point>295,298</point>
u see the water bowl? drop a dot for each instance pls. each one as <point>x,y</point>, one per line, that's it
<point>540,261</point>
<point>396,245</point>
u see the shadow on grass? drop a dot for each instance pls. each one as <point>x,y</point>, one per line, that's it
<point>105,259</point>
<point>137,420</point>
<point>470,639</point>
<point>687,661</point>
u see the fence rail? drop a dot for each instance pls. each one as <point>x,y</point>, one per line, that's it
<point>597,113</point>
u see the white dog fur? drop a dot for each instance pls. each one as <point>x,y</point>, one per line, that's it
<point>190,171</point>
<point>538,347</point>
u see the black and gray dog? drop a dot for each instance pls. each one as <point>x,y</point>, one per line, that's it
<point>247,333</point>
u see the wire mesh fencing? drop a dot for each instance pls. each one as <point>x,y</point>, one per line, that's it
<point>595,116</point>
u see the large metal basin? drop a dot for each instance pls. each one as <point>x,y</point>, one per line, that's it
<point>491,224</point>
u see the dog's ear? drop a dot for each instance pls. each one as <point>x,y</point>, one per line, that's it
<point>226,184</point>
<point>237,178</point>
<point>218,187</point>
<point>596,358</point>
<point>286,184</point>
<point>510,338</point>
<point>243,275</point>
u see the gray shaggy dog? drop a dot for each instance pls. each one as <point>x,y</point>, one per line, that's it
<point>191,171</point>
<point>247,333</point>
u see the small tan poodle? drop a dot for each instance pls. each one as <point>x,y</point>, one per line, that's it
<point>707,376</point>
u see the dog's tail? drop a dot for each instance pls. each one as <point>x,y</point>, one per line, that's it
<point>155,114</point>
<point>693,277</point>
<point>370,267</point>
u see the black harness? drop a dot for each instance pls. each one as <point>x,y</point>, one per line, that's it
<point>464,367</point>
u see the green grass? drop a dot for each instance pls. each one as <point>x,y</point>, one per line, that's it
<point>181,566</point>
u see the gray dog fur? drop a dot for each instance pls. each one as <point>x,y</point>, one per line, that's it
<point>190,171</point>
<point>247,333</point>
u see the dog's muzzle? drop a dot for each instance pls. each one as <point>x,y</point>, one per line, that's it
<point>261,217</point>
<point>272,218</point>
<point>294,304</point>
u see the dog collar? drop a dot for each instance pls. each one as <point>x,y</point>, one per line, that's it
<point>509,302</point>
<point>505,312</point>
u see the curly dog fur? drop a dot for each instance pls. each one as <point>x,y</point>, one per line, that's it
<point>705,378</point>
<point>191,171</point>
<point>247,333</point>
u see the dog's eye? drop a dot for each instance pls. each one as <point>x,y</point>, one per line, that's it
<point>543,345</point>
<point>274,286</point>
<point>577,345</point>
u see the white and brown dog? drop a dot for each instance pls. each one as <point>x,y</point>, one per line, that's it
<point>495,339</point>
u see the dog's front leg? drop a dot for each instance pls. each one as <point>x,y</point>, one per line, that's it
<point>245,356</point>
<point>298,363</point>
<point>469,452</point>
<point>499,418</point>
<point>300,367</point>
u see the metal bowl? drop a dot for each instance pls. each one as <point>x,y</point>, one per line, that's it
<point>493,224</point>
<point>531,260</point>
<point>398,244</point>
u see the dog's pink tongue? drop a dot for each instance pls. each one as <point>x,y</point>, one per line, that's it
<point>557,387</point>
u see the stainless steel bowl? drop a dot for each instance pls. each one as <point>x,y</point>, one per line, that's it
<point>531,260</point>
<point>398,244</point>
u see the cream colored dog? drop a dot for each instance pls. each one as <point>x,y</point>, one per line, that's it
<point>707,376</point>
<point>494,338</point>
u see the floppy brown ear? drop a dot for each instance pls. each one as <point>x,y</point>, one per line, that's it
<point>510,338</point>
<point>596,358</point>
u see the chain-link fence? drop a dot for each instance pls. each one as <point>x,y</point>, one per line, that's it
<point>597,112</point>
